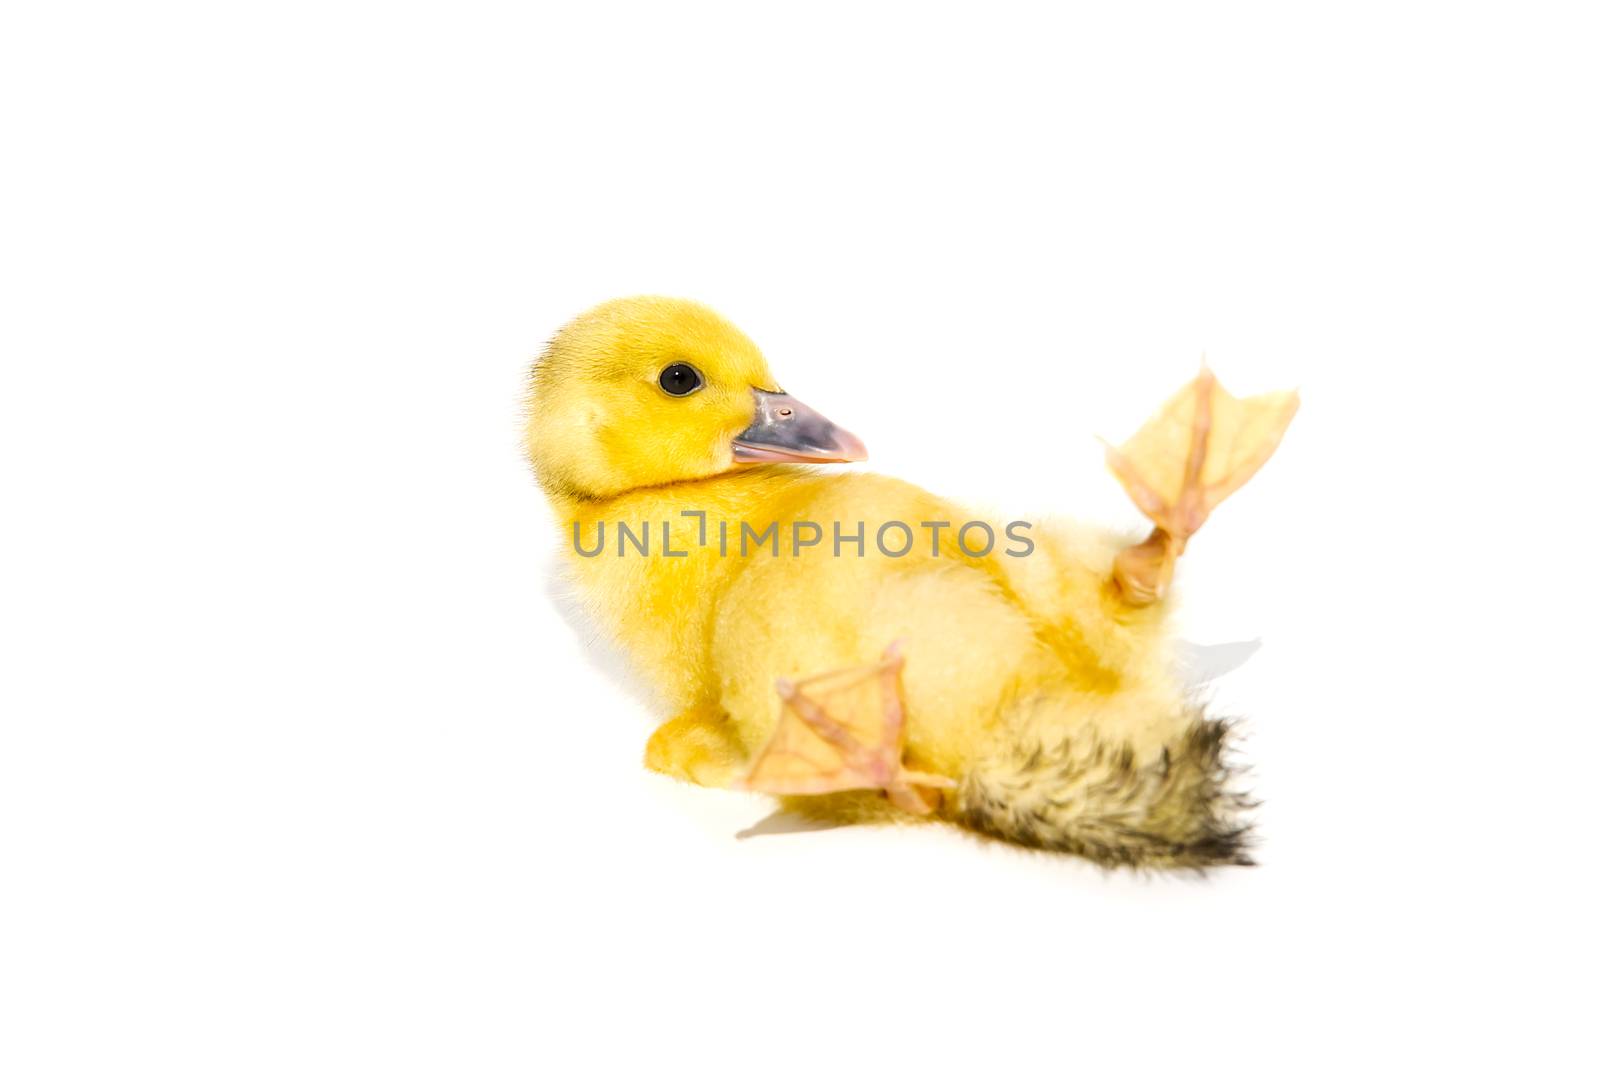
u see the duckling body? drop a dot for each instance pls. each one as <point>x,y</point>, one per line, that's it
<point>1032,689</point>
<point>976,628</point>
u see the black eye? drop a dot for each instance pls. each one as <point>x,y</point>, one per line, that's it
<point>680,380</point>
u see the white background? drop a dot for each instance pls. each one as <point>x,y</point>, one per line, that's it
<point>300,763</point>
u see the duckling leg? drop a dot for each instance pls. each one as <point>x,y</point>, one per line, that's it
<point>1202,446</point>
<point>699,746</point>
<point>843,731</point>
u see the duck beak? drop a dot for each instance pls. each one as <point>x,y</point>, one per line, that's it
<point>785,431</point>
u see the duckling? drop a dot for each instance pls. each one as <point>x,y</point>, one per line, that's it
<point>855,645</point>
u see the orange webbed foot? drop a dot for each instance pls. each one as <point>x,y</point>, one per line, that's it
<point>844,731</point>
<point>1202,446</point>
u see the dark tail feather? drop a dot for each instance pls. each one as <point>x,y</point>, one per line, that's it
<point>1086,795</point>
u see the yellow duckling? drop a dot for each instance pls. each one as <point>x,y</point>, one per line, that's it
<point>862,648</point>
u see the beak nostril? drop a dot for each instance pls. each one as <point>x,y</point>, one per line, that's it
<point>788,431</point>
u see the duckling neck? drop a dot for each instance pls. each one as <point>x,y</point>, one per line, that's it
<point>721,496</point>
<point>650,564</point>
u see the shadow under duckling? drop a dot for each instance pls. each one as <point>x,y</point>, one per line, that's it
<point>839,641</point>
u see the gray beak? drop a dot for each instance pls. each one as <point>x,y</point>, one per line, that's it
<point>786,431</point>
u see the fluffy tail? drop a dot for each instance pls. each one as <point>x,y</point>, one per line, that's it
<point>1088,795</point>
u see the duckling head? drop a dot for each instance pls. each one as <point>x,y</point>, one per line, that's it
<point>645,391</point>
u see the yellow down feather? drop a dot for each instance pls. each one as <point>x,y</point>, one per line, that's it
<point>1052,704</point>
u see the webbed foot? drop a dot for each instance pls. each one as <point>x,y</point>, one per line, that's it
<point>844,731</point>
<point>1202,446</point>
